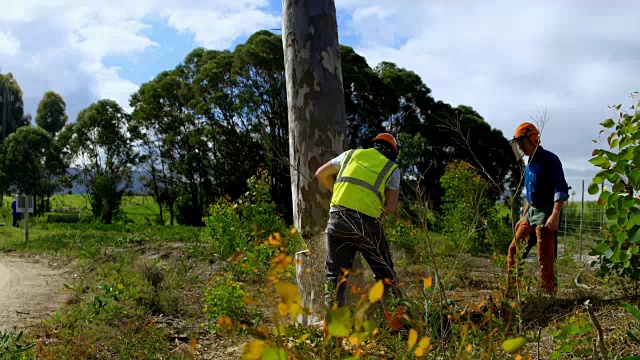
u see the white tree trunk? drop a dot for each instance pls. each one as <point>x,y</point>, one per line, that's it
<point>317,128</point>
<point>315,98</point>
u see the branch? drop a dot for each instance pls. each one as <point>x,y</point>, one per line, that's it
<point>603,349</point>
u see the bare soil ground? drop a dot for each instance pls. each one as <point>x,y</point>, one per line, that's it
<point>31,289</point>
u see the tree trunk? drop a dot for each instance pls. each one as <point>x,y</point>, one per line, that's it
<point>317,126</point>
<point>315,98</point>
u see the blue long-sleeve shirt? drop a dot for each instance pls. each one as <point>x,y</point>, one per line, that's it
<point>13,209</point>
<point>544,179</point>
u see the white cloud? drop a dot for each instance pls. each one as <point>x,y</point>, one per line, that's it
<point>510,60</point>
<point>9,45</point>
<point>218,30</point>
<point>62,45</point>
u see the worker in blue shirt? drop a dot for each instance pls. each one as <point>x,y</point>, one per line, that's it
<point>546,193</point>
<point>17,216</point>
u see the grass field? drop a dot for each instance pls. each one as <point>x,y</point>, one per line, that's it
<point>138,209</point>
<point>141,291</point>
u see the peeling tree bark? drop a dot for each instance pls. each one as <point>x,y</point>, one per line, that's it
<point>317,130</point>
<point>315,98</point>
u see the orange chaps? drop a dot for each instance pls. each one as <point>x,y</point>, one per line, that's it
<point>546,254</point>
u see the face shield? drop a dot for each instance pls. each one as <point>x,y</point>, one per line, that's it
<point>516,149</point>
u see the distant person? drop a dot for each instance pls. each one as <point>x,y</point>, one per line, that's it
<point>546,193</point>
<point>17,215</point>
<point>365,190</point>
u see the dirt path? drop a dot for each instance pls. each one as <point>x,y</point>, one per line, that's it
<point>31,289</point>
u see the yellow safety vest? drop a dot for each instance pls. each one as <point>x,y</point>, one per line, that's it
<point>361,181</point>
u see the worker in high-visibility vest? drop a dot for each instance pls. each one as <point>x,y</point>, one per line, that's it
<point>546,193</point>
<point>366,188</point>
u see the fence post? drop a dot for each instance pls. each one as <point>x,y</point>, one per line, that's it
<point>601,210</point>
<point>581,218</point>
<point>566,215</point>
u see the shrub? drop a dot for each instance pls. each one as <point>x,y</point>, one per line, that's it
<point>619,251</point>
<point>225,229</point>
<point>63,218</point>
<point>186,212</point>
<point>469,217</point>
<point>223,299</point>
<point>403,233</point>
<point>241,225</point>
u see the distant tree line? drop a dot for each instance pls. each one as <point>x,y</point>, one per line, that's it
<point>198,131</point>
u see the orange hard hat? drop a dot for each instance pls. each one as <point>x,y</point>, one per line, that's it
<point>526,130</point>
<point>387,138</point>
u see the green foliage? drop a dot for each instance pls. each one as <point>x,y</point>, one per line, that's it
<point>231,226</point>
<point>105,154</point>
<point>403,233</point>
<point>69,217</point>
<point>17,117</point>
<point>619,251</point>
<point>33,163</point>
<point>223,298</point>
<point>633,335</point>
<point>12,346</point>
<point>51,114</point>
<point>469,217</point>
<point>574,339</point>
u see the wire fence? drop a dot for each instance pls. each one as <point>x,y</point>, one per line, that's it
<point>581,226</point>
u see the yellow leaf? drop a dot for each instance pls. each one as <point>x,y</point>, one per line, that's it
<point>281,262</point>
<point>512,346</point>
<point>339,322</point>
<point>518,357</point>
<point>424,343</point>
<point>376,292</point>
<point>224,321</point>
<point>428,282</point>
<point>290,296</point>
<point>253,350</point>
<point>248,301</point>
<point>419,351</point>
<point>283,309</point>
<point>354,340</point>
<point>413,338</point>
<point>303,338</point>
<point>293,230</point>
<point>237,256</point>
<point>469,348</point>
<point>274,241</point>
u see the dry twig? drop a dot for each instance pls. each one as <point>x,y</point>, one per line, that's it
<point>596,323</point>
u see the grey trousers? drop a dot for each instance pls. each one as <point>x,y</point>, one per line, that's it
<point>348,232</point>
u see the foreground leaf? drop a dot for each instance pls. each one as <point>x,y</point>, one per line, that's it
<point>376,292</point>
<point>512,346</point>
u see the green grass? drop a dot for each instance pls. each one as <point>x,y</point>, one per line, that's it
<point>136,209</point>
<point>130,273</point>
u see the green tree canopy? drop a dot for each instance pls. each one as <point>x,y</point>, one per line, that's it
<point>51,114</point>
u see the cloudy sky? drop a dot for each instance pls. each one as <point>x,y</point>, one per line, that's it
<point>509,60</point>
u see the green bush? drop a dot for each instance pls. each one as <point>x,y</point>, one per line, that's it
<point>469,218</point>
<point>619,251</point>
<point>223,298</point>
<point>403,233</point>
<point>63,218</point>
<point>225,229</point>
<point>241,225</point>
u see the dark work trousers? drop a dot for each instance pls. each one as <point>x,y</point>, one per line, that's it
<point>350,231</point>
<point>16,219</point>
